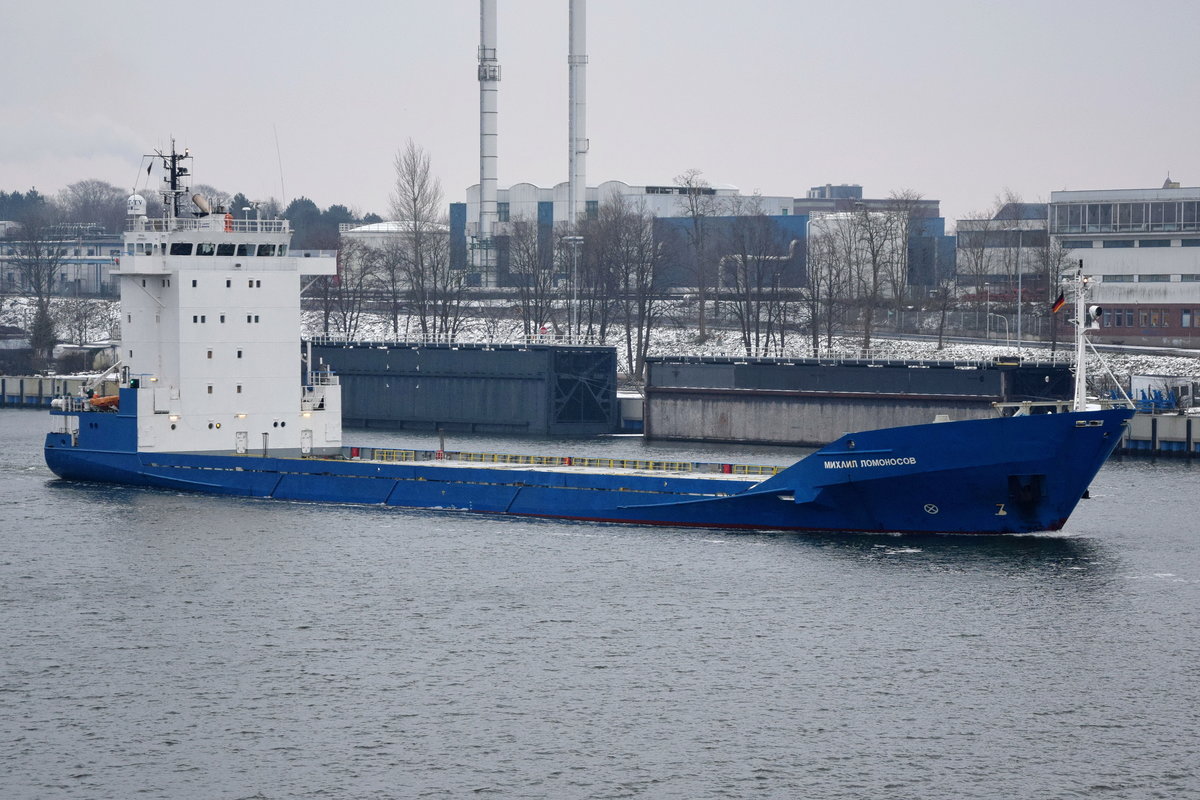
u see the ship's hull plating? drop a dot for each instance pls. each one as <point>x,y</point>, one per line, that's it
<point>1005,475</point>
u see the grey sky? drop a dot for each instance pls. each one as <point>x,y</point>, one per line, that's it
<point>956,100</point>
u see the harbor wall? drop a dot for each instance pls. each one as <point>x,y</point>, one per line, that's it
<point>37,391</point>
<point>481,388</point>
<point>1163,435</point>
<point>799,418</point>
<point>812,402</point>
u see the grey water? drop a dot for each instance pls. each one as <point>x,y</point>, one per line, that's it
<point>158,644</point>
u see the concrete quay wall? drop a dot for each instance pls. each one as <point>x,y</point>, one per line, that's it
<point>792,418</point>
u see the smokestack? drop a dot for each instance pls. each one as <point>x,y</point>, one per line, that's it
<point>489,89</point>
<point>577,125</point>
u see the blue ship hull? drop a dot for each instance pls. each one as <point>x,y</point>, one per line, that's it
<point>995,476</point>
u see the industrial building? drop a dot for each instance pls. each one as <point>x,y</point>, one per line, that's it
<point>1143,248</point>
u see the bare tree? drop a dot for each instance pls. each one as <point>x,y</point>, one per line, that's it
<point>906,206</point>
<point>391,271</point>
<point>436,291</point>
<point>623,239</point>
<point>751,272</point>
<point>975,251</point>
<point>38,255</point>
<point>698,204</point>
<point>82,319</point>
<point>357,265</point>
<point>531,265</point>
<point>94,201</point>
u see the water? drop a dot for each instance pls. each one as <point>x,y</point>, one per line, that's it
<point>165,645</point>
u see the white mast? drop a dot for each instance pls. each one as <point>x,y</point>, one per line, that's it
<point>1081,323</point>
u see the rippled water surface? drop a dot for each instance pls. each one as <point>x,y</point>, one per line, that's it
<point>166,645</point>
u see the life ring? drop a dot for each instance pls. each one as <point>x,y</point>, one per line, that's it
<point>229,223</point>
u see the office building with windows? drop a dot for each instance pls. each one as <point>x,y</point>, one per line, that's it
<point>1142,247</point>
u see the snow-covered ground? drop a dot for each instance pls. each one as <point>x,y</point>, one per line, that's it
<point>667,340</point>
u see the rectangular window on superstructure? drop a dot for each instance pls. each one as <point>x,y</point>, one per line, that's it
<point>228,283</point>
<point>249,318</point>
<point>1154,242</point>
<point>1156,278</point>
<point>210,354</point>
<point>245,249</point>
<point>1119,243</point>
<point>266,249</point>
<point>193,284</point>
<point>206,249</point>
<point>239,388</point>
<point>195,317</point>
<point>1189,242</point>
<point>239,353</point>
<point>129,249</point>
<point>250,284</point>
<point>203,318</point>
<point>256,317</point>
<point>225,249</point>
<point>282,250</point>
<point>258,284</point>
<point>222,318</point>
<point>181,248</point>
<point>1116,278</point>
<point>210,388</point>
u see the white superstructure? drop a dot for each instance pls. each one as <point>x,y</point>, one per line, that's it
<point>210,321</point>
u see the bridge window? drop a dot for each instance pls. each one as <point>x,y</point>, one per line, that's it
<point>181,248</point>
<point>206,249</point>
<point>225,249</point>
<point>245,249</point>
<point>266,249</point>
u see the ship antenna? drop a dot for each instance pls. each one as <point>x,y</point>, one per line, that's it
<point>172,163</point>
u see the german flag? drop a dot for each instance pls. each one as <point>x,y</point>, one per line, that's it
<point>1058,304</point>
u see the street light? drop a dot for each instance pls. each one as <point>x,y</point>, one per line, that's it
<point>987,313</point>
<point>576,242</point>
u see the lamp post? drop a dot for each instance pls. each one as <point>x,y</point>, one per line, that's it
<point>1020,295</point>
<point>576,242</point>
<point>987,316</point>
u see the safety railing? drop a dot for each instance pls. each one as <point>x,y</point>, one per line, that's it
<point>521,459</point>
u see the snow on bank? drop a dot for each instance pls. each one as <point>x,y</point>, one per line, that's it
<point>668,340</point>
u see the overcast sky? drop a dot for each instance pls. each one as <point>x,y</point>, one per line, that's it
<point>955,100</point>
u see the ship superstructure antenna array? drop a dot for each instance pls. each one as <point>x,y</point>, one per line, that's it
<point>174,179</point>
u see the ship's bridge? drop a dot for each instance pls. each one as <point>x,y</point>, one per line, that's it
<point>213,243</point>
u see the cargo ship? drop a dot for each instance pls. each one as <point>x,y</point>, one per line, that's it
<point>216,395</point>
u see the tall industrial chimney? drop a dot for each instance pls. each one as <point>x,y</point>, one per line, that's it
<point>489,89</point>
<point>577,126</point>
